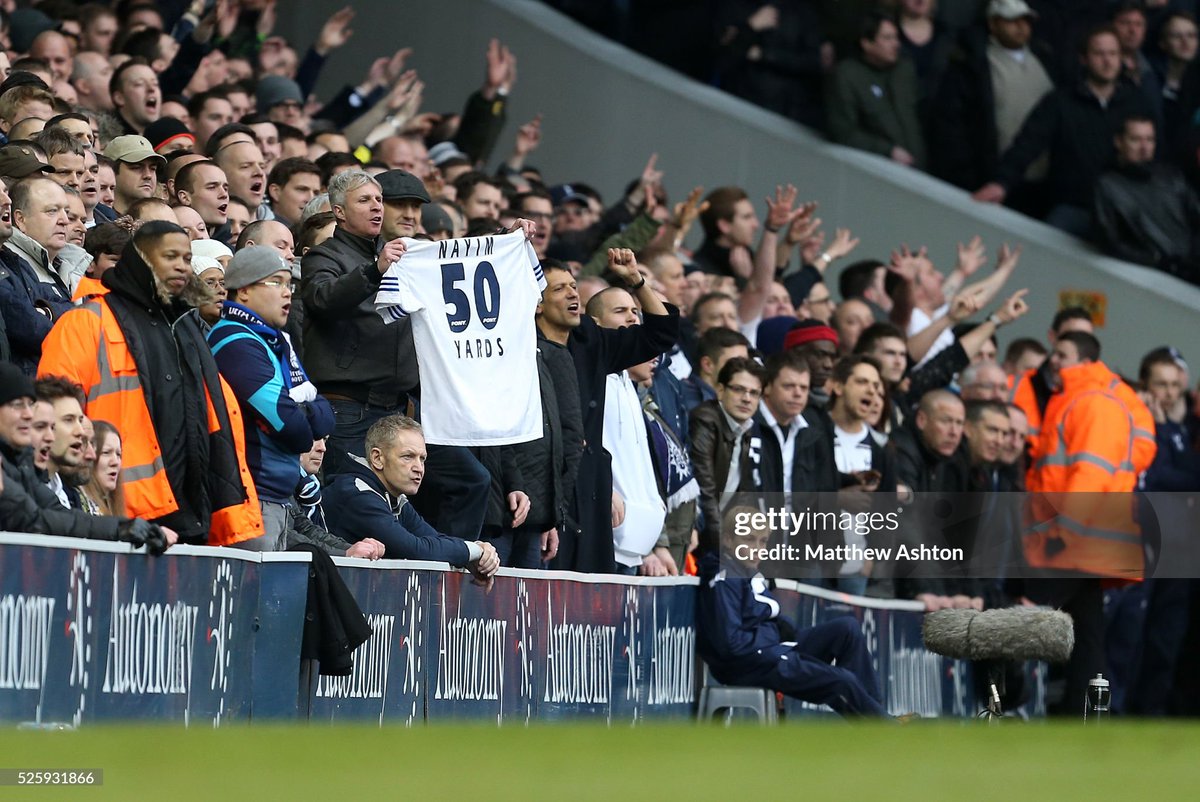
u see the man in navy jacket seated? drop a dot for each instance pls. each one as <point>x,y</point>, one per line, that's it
<point>744,641</point>
<point>371,500</point>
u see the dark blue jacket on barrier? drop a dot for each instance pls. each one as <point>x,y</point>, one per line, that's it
<point>360,507</point>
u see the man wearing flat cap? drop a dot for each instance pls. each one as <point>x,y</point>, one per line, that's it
<point>403,197</point>
<point>136,170</point>
<point>20,161</point>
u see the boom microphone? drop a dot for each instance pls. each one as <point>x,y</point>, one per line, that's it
<point>1010,633</point>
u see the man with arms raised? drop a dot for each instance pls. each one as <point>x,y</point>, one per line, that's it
<point>587,544</point>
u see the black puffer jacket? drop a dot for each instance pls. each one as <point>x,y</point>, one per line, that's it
<point>27,505</point>
<point>348,349</point>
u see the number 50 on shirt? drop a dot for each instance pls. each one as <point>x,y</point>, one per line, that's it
<point>471,303</point>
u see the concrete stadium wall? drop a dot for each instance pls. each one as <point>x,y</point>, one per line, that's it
<point>606,109</point>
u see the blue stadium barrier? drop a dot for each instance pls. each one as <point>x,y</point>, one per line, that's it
<point>91,631</point>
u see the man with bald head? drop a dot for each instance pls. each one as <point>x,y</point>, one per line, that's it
<point>613,308</point>
<point>403,152</point>
<point>850,318</point>
<point>985,381</point>
<point>638,510</point>
<point>929,460</point>
<point>271,233</point>
<point>90,75</point>
<point>927,445</point>
<point>52,48</point>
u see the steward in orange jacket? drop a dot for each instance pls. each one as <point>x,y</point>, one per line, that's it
<point>147,370</point>
<point>1096,438</point>
<point>1031,394</point>
<point>88,287</point>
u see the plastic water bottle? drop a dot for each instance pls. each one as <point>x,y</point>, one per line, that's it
<point>1095,706</point>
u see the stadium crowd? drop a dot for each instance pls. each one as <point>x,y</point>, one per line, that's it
<point>1077,112</point>
<point>193,245</point>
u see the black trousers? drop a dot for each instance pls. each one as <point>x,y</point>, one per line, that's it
<point>1083,599</point>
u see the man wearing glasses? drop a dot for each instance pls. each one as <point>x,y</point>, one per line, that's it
<point>282,414</point>
<point>725,442</point>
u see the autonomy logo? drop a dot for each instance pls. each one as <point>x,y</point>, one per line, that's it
<point>470,657</point>
<point>79,629</point>
<point>150,645</point>
<point>372,661</point>
<point>25,623</point>
<point>672,662</point>
<point>579,659</point>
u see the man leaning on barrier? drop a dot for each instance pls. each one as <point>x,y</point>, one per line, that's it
<point>370,499</point>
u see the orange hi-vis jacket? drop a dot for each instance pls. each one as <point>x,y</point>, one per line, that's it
<point>1097,437</point>
<point>88,287</point>
<point>1024,397</point>
<point>88,346</point>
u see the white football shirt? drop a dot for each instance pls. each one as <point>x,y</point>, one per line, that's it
<point>472,303</point>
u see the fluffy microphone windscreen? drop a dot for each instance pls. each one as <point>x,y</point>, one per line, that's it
<point>1010,633</point>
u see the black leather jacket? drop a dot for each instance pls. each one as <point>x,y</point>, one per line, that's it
<point>712,445</point>
<point>348,350</point>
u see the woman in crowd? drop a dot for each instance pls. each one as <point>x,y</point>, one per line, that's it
<point>103,490</point>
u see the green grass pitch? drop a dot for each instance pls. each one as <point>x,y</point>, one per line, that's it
<point>925,760</point>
